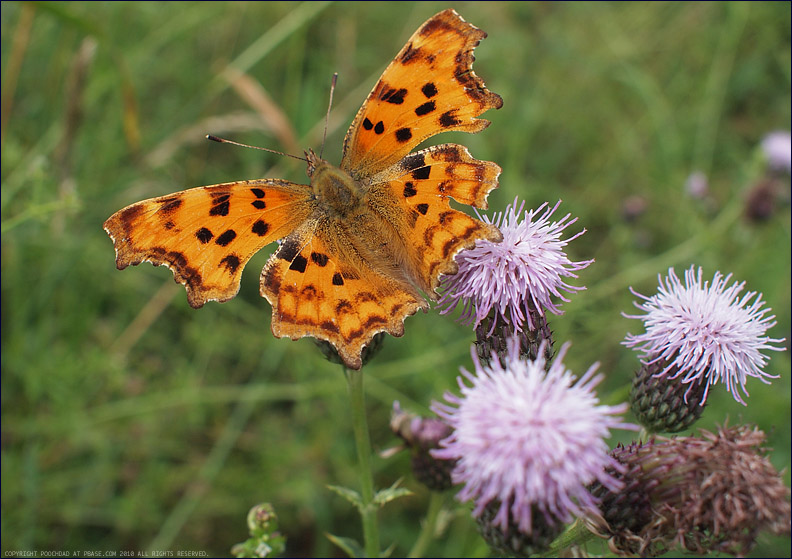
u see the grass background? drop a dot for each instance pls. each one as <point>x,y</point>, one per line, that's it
<point>132,422</point>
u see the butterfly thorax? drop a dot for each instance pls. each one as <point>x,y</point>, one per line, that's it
<point>334,188</point>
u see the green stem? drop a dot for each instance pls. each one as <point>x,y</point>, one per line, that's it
<point>368,510</point>
<point>429,525</point>
<point>575,534</point>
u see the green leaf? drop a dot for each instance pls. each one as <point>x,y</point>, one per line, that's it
<point>389,551</point>
<point>391,493</point>
<point>350,546</point>
<point>349,494</point>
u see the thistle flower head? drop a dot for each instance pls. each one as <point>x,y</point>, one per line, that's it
<point>697,185</point>
<point>421,435</point>
<point>527,440</point>
<point>714,492</point>
<point>777,149</point>
<point>705,333</point>
<point>518,275</point>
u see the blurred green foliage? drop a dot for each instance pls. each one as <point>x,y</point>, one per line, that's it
<point>132,422</point>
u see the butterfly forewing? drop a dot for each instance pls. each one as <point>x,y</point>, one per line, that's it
<point>206,235</point>
<point>429,88</point>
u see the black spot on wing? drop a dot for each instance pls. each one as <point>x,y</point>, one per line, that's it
<point>259,204</point>
<point>184,273</point>
<point>288,250</point>
<point>429,90</point>
<point>367,124</point>
<point>412,162</point>
<point>394,96</point>
<point>127,216</point>
<point>170,204</point>
<point>319,259</point>
<point>433,26</point>
<point>452,154</point>
<point>365,297</point>
<point>231,263</point>
<point>374,321</point>
<point>204,235</point>
<point>410,54</point>
<point>421,173</point>
<point>449,118</point>
<point>422,208</point>
<point>298,264</point>
<point>409,190</point>
<point>257,192</point>
<point>337,279</point>
<point>220,204</point>
<point>403,135</point>
<point>429,234</point>
<point>425,109</point>
<point>260,228</point>
<point>379,128</point>
<point>226,238</point>
<point>173,257</point>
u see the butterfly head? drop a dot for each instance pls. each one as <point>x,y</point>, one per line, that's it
<point>314,161</point>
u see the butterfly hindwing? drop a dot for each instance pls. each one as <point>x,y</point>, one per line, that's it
<point>423,184</point>
<point>313,292</point>
<point>444,171</point>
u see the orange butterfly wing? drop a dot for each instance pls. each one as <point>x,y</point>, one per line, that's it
<point>422,184</point>
<point>430,87</point>
<point>206,235</point>
<point>316,289</point>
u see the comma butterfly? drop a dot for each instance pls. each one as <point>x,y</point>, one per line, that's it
<point>365,239</point>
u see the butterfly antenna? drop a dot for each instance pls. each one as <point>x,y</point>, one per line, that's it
<point>224,141</point>
<point>327,116</point>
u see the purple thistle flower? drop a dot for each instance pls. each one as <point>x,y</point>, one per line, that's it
<point>516,275</point>
<point>421,435</point>
<point>525,437</point>
<point>705,333</point>
<point>777,148</point>
<point>697,185</point>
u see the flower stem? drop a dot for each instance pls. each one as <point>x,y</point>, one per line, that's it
<point>575,535</point>
<point>429,525</point>
<point>368,510</point>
